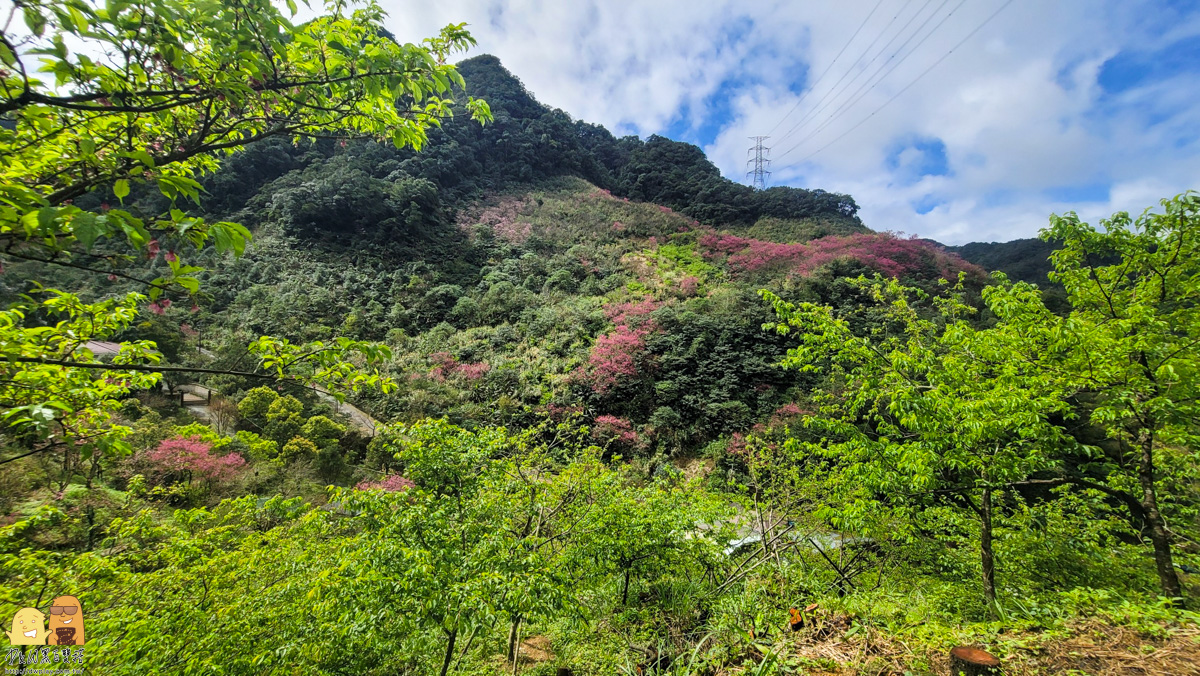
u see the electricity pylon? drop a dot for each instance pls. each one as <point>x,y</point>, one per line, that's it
<point>759,161</point>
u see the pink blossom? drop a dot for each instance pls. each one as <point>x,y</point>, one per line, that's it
<point>789,410</point>
<point>616,355</point>
<point>153,248</point>
<point>505,219</point>
<point>392,483</point>
<point>618,226</point>
<point>620,313</point>
<point>188,331</point>
<point>170,256</point>
<point>885,252</point>
<point>473,371</point>
<point>608,426</point>
<point>665,210</point>
<point>190,454</point>
<point>446,366</point>
<point>688,285</point>
<point>737,444</point>
<point>156,308</point>
<point>112,278</point>
<point>558,412</point>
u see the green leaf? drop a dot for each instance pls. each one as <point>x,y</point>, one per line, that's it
<point>35,21</point>
<point>86,229</point>
<point>121,189</point>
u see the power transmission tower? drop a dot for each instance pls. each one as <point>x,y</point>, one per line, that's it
<point>759,161</point>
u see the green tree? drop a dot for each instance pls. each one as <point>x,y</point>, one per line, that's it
<point>298,448</point>
<point>100,98</point>
<point>927,405</point>
<point>284,419</point>
<point>255,404</point>
<point>1133,339</point>
<point>322,431</point>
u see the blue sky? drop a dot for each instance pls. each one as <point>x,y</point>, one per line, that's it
<point>1084,105</point>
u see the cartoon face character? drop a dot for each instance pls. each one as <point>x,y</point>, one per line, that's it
<point>66,621</point>
<point>28,628</point>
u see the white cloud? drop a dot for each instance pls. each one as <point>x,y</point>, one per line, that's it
<point>1017,106</point>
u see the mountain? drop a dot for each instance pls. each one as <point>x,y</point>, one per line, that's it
<point>1026,260</point>
<point>537,263</point>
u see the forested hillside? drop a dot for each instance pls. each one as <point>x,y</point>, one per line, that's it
<point>421,376</point>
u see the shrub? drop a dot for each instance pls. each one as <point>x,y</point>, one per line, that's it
<point>258,448</point>
<point>392,483</point>
<point>257,402</point>
<point>614,429</point>
<point>190,458</point>
<point>882,251</point>
<point>298,447</point>
<point>322,430</point>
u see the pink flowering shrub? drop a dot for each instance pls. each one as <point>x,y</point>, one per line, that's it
<point>191,457</point>
<point>473,371</point>
<point>665,210</point>
<point>612,428</point>
<point>616,354</point>
<point>788,414</point>
<point>885,252</point>
<point>618,226</point>
<point>392,483</point>
<point>504,219</point>
<point>621,313</point>
<point>446,366</point>
<point>736,445</point>
<point>560,413</point>
<point>689,285</point>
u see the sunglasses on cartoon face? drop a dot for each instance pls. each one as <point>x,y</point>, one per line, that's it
<point>59,610</point>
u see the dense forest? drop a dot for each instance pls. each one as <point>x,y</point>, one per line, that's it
<point>323,355</point>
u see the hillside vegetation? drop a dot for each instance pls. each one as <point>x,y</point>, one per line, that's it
<point>622,415</point>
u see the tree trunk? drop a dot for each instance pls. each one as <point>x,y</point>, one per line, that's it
<point>90,512</point>
<point>985,549</point>
<point>1158,530</point>
<point>512,636</point>
<point>449,652</point>
<point>973,662</point>
<point>625,589</point>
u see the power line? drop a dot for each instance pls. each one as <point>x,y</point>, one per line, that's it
<point>909,85</point>
<point>872,82</point>
<point>827,68</point>
<point>760,162</point>
<point>835,88</point>
<point>835,94</point>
